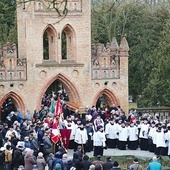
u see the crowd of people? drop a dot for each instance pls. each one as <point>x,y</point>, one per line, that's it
<point>25,141</point>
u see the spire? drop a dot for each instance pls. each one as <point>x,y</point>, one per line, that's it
<point>114,45</point>
<point>124,45</point>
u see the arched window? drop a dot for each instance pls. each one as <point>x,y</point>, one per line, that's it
<point>68,43</point>
<point>45,46</point>
<point>20,75</point>
<point>104,62</point>
<point>10,76</point>
<point>113,74</point>
<point>49,38</point>
<point>96,74</point>
<point>64,46</point>
<point>10,63</point>
<point>104,74</point>
<point>1,76</point>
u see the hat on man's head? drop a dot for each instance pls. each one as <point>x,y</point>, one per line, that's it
<point>20,145</point>
<point>40,154</point>
<point>135,160</point>
<point>98,156</point>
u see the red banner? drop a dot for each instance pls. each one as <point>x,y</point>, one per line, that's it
<point>55,134</point>
<point>65,135</point>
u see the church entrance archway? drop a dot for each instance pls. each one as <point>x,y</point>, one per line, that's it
<point>61,85</point>
<point>105,98</point>
<point>10,102</point>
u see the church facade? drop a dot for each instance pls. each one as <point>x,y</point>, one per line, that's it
<point>55,47</point>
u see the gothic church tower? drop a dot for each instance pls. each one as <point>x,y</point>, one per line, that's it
<point>54,46</point>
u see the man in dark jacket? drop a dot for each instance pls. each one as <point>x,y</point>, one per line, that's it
<point>2,158</point>
<point>108,164</point>
<point>90,132</point>
<point>115,166</point>
<point>57,160</point>
<point>98,161</point>
<point>34,145</point>
<point>86,163</point>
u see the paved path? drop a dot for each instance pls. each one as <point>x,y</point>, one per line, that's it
<point>117,152</point>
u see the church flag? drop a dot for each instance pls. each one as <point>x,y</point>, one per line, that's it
<point>55,134</point>
<point>58,108</point>
<point>52,106</point>
<point>65,136</point>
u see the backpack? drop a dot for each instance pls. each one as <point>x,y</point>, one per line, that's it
<point>57,166</point>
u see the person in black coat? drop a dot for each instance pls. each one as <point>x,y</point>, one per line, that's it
<point>89,144</point>
<point>77,162</point>
<point>86,163</point>
<point>4,130</point>
<point>115,166</point>
<point>2,158</point>
<point>108,164</point>
<point>18,159</point>
<point>1,137</point>
<point>49,160</point>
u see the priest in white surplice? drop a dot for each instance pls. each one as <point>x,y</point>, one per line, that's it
<point>168,139</point>
<point>99,140</point>
<point>133,136</point>
<point>111,131</point>
<point>160,139</point>
<point>71,126</point>
<point>143,135</point>
<point>81,136</point>
<point>151,137</point>
<point>123,135</point>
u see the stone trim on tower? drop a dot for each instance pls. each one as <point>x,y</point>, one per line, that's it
<point>12,68</point>
<point>106,61</point>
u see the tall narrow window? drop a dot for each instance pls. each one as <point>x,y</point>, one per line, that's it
<point>10,76</point>
<point>104,74</point>
<point>113,74</point>
<point>10,63</point>
<point>20,75</point>
<point>104,62</point>
<point>64,46</point>
<point>49,46</point>
<point>1,76</point>
<point>96,74</point>
<point>68,43</point>
<point>46,46</point>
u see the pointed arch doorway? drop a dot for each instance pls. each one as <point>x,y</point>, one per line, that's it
<point>63,87</point>
<point>10,102</point>
<point>105,98</point>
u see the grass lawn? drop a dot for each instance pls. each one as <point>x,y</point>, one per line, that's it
<point>125,161</point>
